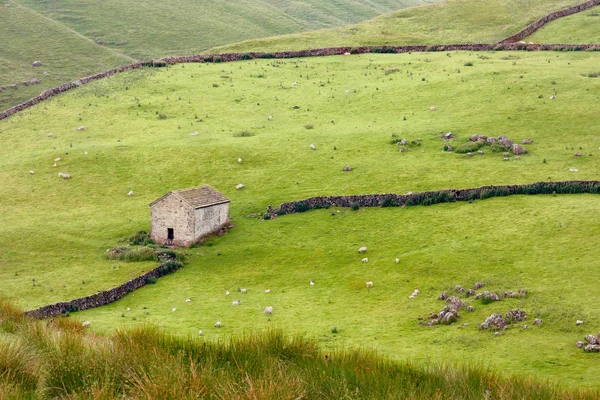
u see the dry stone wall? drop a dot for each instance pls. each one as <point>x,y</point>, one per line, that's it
<point>435,197</point>
<point>104,297</point>
<point>530,29</point>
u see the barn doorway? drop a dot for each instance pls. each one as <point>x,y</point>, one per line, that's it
<point>170,234</point>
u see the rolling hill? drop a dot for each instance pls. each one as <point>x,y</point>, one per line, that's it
<point>456,21</point>
<point>75,39</point>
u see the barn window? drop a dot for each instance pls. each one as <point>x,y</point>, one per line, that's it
<point>170,234</point>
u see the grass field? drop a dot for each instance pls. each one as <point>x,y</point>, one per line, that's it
<point>137,135</point>
<point>77,38</point>
<point>61,359</point>
<point>583,27</point>
<point>65,55</point>
<point>456,21</point>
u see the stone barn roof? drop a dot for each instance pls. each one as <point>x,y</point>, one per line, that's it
<point>197,197</point>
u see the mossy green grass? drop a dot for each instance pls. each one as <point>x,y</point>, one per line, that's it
<point>56,231</point>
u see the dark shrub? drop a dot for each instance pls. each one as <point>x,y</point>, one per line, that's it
<point>217,59</point>
<point>162,116</point>
<point>389,202</point>
<point>354,50</point>
<point>267,55</point>
<point>243,134</point>
<point>246,56</point>
<point>468,147</point>
<point>140,239</point>
<point>355,206</point>
<point>150,280</point>
<point>301,207</point>
<point>468,64</point>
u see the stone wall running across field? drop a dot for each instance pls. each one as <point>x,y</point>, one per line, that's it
<point>530,29</point>
<point>331,51</point>
<point>435,197</point>
<point>105,297</point>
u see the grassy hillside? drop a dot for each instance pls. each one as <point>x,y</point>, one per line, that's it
<point>63,360</point>
<point>578,28</point>
<point>178,27</point>
<point>65,55</point>
<point>457,21</point>
<point>138,136</point>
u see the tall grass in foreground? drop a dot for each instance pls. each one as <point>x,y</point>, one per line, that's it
<point>60,359</point>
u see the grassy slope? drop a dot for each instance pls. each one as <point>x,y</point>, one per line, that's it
<point>457,21</point>
<point>63,360</point>
<point>66,55</point>
<point>578,28</point>
<point>178,27</point>
<point>58,230</point>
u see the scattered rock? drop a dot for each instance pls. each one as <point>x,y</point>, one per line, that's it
<point>478,285</point>
<point>470,309</point>
<point>37,63</point>
<point>347,168</point>
<point>487,297</point>
<point>537,321</point>
<point>432,108</point>
<point>516,315</point>
<point>459,289</point>
<point>506,142</point>
<point>443,296</point>
<point>527,141</point>
<point>491,140</point>
<point>414,294</point>
<point>517,149</point>
<point>494,321</point>
<point>46,74</point>
<point>194,134</point>
<point>402,149</point>
<point>471,293</point>
<point>578,154</point>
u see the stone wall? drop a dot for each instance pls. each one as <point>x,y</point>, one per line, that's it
<point>228,57</point>
<point>530,29</point>
<point>435,197</point>
<point>105,297</point>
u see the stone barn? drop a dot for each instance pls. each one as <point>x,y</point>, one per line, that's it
<point>182,217</point>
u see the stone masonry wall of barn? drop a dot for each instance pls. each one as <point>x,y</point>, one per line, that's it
<point>171,212</point>
<point>211,219</point>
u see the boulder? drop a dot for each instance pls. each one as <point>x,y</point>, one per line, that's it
<point>37,63</point>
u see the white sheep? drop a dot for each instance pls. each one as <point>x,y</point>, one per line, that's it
<point>270,118</point>
<point>268,310</point>
<point>244,291</point>
<point>50,134</point>
<point>239,160</point>
<point>579,322</point>
<point>128,309</point>
<point>312,283</point>
<point>81,128</point>
<point>86,323</point>
<point>226,292</point>
<point>218,324</point>
<point>369,284</point>
<point>173,309</point>
<point>552,97</point>
<point>194,134</point>
<point>362,250</point>
<point>239,187</point>
<point>397,261</point>
<point>32,172</point>
<point>54,165</point>
<point>64,176</point>
<point>312,146</point>
<point>415,293</point>
<point>268,291</point>
<point>57,159</point>
<point>432,108</point>
<point>130,193</point>
<point>188,300</point>
<point>85,153</point>
<point>200,332</point>
<point>236,303</point>
<point>294,83</point>
<point>365,260</point>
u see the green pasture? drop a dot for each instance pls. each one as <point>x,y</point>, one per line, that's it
<point>455,21</point>
<point>583,27</point>
<point>138,136</point>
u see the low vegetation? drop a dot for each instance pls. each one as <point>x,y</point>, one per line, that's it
<point>62,359</point>
<point>581,28</point>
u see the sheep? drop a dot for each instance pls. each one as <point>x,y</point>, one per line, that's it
<point>236,303</point>
<point>239,160</point>
<point>243,291</point>
<point>200,333</point>
<point>397,261</point>
<point>369,284</point>
<point>414,294</point>
<point>188,300</point>
<point>85,153</point>
<point>32,172</point>
<point>270,118</point>
<point>57,159</point>
<point>346,53</point>
<point>573,170</point>
<point>579,322</point>
<point>226,292</point>
<point>86,323</point>
<point>312,283</point>
<point>50,134</point>
<point>128,309</point>
<point>130,193</point>
<point>239,187</point>
<point>81,128</point>
<point>294,83</point>
<point>268,310</point>
<point>54,165</point>
<point>365,260</point>
<point>268,291</point>
<point>194,134</point>
<point>432,108</point>
<point>552,97</point>
<point>312,146</point>
<point>362,250</point>
<point>218,324</point>
<point>64,176</point>
<point>173,309</point>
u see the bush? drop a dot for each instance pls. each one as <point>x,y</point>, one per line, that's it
<point>128,254</point>
<point>391,70</point>
<point>469,147</point>
<point>301,207</point>
<point>243,134</point>
<point>593,74</point>
<point>468,64</point>
<point>354,50</point>
<point>246,56</point>
<point>497,148</point>
<point>162,116</point>
<point>355,206</point>
<point>267,55</point>
<point>267,216</point>
<point>389,202</point>
<point>308,126</point>
<point>168,267</point>
<point>140,239</point>
<point>150,280</point>
<point>217,59</point>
